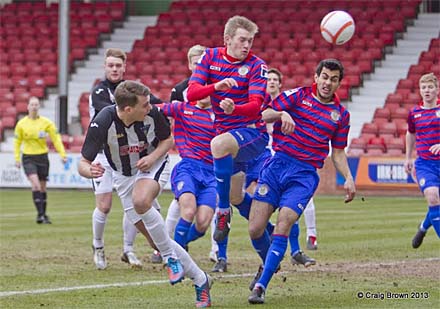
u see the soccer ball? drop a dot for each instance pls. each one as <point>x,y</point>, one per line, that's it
<point>337,27</point>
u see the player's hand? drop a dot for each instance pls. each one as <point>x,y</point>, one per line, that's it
<point>96,170</point>
<point>408,164</point>
<point>145,163</point>
<point>350,190</point>
<point>227,105</point>
<point>17,164</point>
<point>287,123</point>
<point>435,149</point>
<point>225,84</point>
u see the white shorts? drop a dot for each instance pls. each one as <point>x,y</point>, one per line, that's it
<point>103,184</point>
<point>124,184</point>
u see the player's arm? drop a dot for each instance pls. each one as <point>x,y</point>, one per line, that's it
<point>56,139</point>
<point>341,164</point>
<point>270,115</point>
<point>96,137</point>
<point>410,144</point>
<point>18,139</point>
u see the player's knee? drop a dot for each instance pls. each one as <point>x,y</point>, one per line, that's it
<point>432,196</point>
<point>256,230</point>
<point>140,205</point>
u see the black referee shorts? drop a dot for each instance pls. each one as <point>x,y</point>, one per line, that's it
<point>36,164</point>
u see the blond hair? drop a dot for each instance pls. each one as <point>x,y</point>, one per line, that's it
<point>196,50</point>
<point>127,92</point>
<point>429,78</point>
<point>117,53</point>
<point>236,22</point>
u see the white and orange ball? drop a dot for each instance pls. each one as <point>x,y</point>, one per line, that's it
<point>337,27</point>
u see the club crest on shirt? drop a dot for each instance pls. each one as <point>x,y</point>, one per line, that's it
<point>263,190</point>
<point>335,116</point>
<point>243,70</point>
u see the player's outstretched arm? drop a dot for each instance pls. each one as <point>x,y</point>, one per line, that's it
<point>340,162</point>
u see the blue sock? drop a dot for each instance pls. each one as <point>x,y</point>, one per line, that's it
<point>434,217</point>
<point>261,245</point>
<point>245,206</point>
<point>181,232</point>
<point>274,256</point>
<point>426,224</point>
<point>222,249</point>
<point>193,234</point>
<point>223,172</point>
<point>269,228</point>
<point>294,238</point>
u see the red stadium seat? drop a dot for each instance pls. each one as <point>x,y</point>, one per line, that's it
<point>400,112</point>
<point>370,128</point>
<point>388,128</point>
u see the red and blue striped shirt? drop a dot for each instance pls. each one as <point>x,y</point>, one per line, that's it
<point>193,129</point>
<point>425,124</point>
<point>251,76</point>
<point>316,124</point>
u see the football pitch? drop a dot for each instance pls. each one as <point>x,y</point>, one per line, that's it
<point>364,259</point>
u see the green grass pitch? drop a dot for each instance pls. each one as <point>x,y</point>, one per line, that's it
<point>364,249</point>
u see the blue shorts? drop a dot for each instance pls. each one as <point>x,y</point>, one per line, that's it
<point>287,182</point>
<point>252,144</point>
<point>196,177</point>
<point>256,165</point>
<point>427,173</point>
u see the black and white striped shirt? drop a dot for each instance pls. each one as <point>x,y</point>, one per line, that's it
<point>124,146</point>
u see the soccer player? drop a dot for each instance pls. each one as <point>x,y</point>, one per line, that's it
<point>424,134</point>
<point>101,96</point>
<point>178,93</point>
<point>32,131</point>
<point>136,138</point>
<point>274,84</point>
<point>305,120</point>
<point>192,179</point>
<point>235,79</point>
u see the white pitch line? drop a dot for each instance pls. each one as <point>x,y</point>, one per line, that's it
<point>125,284</point>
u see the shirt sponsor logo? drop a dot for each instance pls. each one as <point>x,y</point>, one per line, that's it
<point>264,71</point>
<point>306,103</point>
<point>127,149</point>
<point>94,125</point>
<point>188,112</point>
<point>215,68</point>
<point>99,91</point>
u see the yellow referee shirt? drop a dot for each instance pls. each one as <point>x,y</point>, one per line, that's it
<point>32,133</point>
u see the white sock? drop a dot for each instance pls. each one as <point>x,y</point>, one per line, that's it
<point>309,218</point>
<point>156,204</point>
<point>98,224</point>
<point>156,228</point>
<point>172,218</point>
<point>130,232</point>
<point>214,246</point>
<point>190,267</point>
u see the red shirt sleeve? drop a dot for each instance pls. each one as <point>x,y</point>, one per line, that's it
<point>251,108</point>
<point>197,92</point>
